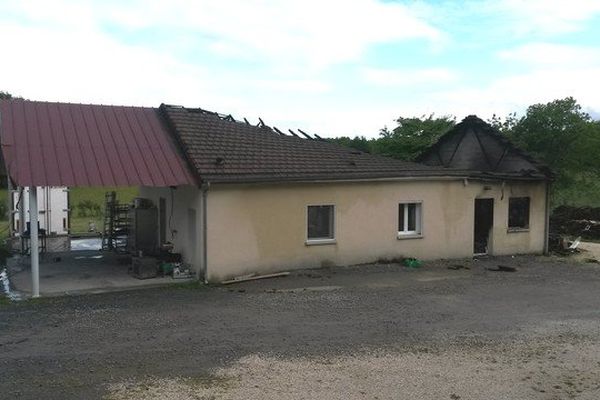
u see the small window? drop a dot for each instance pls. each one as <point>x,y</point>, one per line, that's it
<point>409,219</point>
<point>320,222</point>
<point>518,213</point>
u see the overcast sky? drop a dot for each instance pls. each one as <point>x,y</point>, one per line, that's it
<point>331,67</point>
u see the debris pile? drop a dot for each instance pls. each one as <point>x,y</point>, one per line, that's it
<point>576,221</point>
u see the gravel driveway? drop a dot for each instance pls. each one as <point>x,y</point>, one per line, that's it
<point>369,332</point>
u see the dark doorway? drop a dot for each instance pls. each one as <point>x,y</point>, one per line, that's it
<point>484,221</point>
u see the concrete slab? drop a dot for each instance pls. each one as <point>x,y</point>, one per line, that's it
<point>80,272</point>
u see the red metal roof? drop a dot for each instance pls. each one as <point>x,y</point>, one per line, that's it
<point>62,144</point>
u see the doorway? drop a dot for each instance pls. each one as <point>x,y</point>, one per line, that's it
<point>484,221</point>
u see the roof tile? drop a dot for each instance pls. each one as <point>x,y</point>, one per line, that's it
<point>257,153</point>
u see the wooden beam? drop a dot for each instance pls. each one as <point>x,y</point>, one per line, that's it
<point>254,277</point>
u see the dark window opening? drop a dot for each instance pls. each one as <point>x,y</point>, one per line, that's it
<point>518,212</point>
<point>320,222</point>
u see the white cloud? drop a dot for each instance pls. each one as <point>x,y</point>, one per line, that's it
<point>294,50</point>
<point>552,71</point>
<point>282,86</point>
<point>543,16</point>
<point>552,55</point>
<point>313,33</point>
<point>518,91</point>
<point>409,77</point>
<point>59,65</point>
<point>546,72</point>
<point>75,51</point>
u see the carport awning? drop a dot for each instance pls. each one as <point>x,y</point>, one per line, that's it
<point>62,144</point>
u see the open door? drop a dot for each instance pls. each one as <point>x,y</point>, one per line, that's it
<point>484,221</point>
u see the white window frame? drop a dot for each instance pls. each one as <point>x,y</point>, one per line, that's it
<point>418,232</point>
<point>320,241</point>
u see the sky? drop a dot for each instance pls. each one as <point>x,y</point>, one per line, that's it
<point>330,67</point>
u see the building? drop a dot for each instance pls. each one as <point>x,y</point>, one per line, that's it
<point>238,199</point>
<point>268,202</point>
<point>53,210</point>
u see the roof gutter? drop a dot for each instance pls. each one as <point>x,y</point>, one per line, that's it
<point>384,179</point>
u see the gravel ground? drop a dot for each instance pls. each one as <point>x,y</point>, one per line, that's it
<point>552,369</point>
<point>369,332</point>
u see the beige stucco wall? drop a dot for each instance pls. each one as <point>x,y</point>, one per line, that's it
<point>262,228</point>
<point>179,203</point>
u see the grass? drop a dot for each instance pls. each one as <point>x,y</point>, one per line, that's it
<point>82,224</point>
<point>96,195</point>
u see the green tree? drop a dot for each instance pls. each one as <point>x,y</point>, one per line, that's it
<point>359,142</point>
<point>554,132</point>
<point>412,135</point>
<point>7,96</point>
<point>504,125</point>
<point>564,137</point>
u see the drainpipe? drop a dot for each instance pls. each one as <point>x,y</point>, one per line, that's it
<point>547,220</point>
<point>33,238</point>
<point>204,189</point>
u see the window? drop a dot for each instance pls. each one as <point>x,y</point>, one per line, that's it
<point>320,223</point>
<point>518,213</point>
<point>409,219</point>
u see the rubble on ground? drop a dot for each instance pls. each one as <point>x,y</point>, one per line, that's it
<point>576,221</point>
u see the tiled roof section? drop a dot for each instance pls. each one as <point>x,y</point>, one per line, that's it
<point>474,145</point>
<point>224,150</point>
<point>61,144</point>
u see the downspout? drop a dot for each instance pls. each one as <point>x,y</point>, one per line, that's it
<point>204,190</point>
<point>547,220</point>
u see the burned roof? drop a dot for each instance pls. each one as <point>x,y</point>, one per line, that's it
<point>64,144</point>
<point>474,145</point>
<point>224,150</point>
